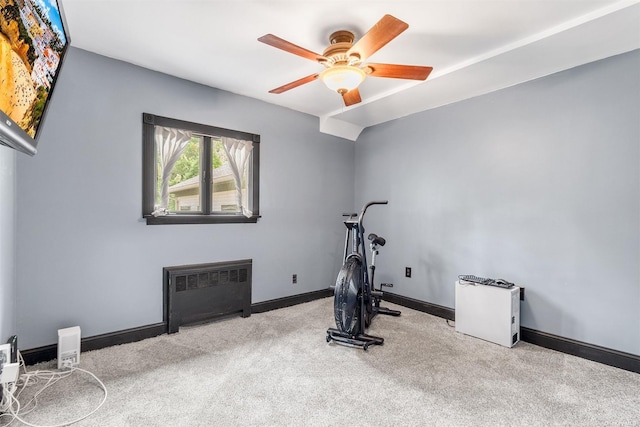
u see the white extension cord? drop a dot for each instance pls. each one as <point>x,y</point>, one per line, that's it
<point>10,404</point>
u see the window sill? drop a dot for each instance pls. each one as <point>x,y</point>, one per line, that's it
<point>201,219</point>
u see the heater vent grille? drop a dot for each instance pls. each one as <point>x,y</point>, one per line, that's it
<point>205,279</point>
<point>201,292</point>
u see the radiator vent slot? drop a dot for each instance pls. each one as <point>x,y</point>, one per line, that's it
<point>201,292</point>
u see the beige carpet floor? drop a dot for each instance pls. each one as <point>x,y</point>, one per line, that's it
<point>276,369</point>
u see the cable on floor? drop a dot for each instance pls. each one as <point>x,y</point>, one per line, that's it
<point>10,405</point>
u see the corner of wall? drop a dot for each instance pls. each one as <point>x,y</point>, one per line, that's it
<point>7,242</point>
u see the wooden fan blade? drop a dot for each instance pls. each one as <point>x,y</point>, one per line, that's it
<point>351,97</point>
<point>387,29</point>
<point>295,84</point>
<point>276,41</point>
<point>411,72</point>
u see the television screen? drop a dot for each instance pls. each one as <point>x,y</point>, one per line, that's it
<point>33,41</point>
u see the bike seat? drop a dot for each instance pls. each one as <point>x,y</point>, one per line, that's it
<point>377,239</point>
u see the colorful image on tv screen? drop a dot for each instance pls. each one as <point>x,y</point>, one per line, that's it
<point>32,42</point>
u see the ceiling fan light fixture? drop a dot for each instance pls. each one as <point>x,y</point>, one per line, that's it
<point>342,78</point>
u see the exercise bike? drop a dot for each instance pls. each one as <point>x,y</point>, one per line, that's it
<point>356,301</point>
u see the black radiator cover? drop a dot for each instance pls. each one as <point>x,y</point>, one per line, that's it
<point>201,292</point>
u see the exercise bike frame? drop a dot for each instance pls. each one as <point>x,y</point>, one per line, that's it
<point>369,298</point>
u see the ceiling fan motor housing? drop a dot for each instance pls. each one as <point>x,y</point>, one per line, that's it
<point>336,52</point>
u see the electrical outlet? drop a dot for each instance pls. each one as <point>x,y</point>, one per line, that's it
<point>294,279</point>
<point>407,271</point>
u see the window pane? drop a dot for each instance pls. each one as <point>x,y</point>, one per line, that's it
<point>223,195</point>
<point>178,176</point>
<point>246,200</point>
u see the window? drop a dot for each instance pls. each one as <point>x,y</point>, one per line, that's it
<point>198,174</point>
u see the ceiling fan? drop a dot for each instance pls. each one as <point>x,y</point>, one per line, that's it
<point>344,60</point>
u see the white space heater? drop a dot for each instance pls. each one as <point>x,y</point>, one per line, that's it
<point>488,312</point>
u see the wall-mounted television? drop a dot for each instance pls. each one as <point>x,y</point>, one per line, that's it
<point>33,42</point>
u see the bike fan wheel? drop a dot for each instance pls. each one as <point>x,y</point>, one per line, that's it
<point>346,304</point>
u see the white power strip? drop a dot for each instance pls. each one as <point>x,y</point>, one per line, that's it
<point>9,373</point>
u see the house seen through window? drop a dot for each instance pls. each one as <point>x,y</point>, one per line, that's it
<point>197,173</point>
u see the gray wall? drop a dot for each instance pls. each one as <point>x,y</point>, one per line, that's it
<point>538,184</point>
<point>85,257</point>
<point>7,242</point>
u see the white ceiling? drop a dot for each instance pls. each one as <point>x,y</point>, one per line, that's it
<point>474,46</point>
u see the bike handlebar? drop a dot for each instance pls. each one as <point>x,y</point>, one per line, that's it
<point>366,206</point>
